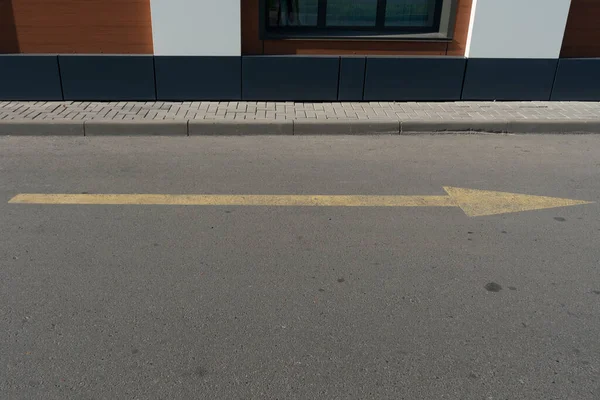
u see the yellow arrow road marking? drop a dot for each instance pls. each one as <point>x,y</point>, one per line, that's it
<point>477,203</point>
<point>236,200</point>
<point>473,202</point>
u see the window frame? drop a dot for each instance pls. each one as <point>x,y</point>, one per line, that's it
<point>443,28</point>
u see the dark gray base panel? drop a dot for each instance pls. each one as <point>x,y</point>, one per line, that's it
<point>294,78</point>
<point>290,78</point>
<point>29,77</point>
<point>108,77</point>
<point>414,78</point>
<point>577,79</point>
<point>506,79</point>
<point>352,78</point>
<point>181,78</point>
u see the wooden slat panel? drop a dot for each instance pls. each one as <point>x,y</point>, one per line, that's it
<point>582,36</point>
<point>84,26</point>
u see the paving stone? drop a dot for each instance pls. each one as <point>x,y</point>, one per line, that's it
<point>408,111</point>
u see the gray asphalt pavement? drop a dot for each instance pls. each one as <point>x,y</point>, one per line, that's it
<point>229,302</point>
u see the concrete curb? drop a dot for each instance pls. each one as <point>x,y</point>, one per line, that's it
<point>41,128</point>
<point>288,127</point>
<point>454,126</point>
<point>549,126</point>
<point>205,127</point>
<point>352,127</point>
<point>135,128</point>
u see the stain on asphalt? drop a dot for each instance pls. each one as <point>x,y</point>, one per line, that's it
<point>134,351</point>
<point>341,280</point>
<point>504,232</point>
<point>596,291</point>
<point>559,219</point>
<point>512,288</point>
<point>493,287</point>
<point>321,290</point>
<point>198,372</point>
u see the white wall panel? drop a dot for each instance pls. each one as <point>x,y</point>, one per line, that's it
<point>196,27</point>
<point>517,28</point>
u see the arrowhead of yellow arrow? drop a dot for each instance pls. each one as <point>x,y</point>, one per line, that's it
<point>477,203</point>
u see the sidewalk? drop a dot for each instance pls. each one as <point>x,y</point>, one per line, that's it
<point>240,118</point>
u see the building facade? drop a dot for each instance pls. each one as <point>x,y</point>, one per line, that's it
<point>300,50</point>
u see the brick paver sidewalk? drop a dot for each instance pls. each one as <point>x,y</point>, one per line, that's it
<point>289,118</point>
<point>244,110</point>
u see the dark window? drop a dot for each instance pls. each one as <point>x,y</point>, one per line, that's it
<point>328,17</point>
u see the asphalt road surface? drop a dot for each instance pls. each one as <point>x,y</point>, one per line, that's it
<point>298,302</point>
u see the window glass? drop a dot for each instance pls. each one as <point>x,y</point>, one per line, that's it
<point>351,13</point>
<point>292,12</point>
<point>409,12</point>
<point>352,17</point>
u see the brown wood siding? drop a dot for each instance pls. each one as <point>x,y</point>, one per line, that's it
<point>353,47</point>
<point>8,32</point>
<point>83,26</point>
<point>251,43</point>
<point>582,36</point>
<point>458,45</point>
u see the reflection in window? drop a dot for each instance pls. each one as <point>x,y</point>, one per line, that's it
<point>409,12</point>
<point>292,12</point>
<point>351,13</point>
